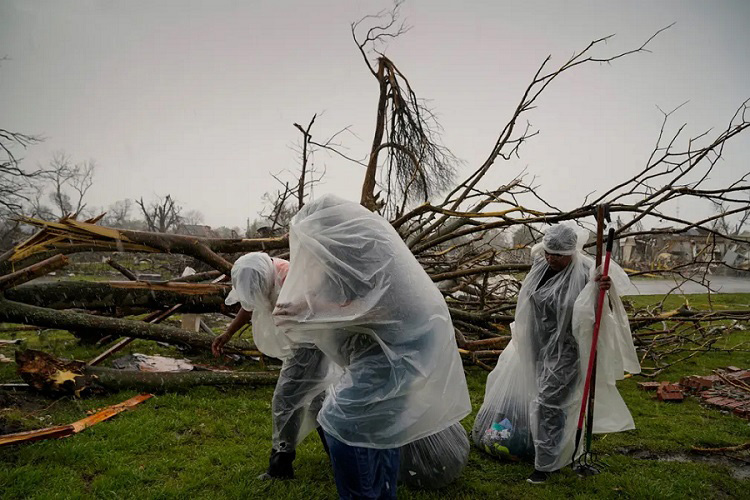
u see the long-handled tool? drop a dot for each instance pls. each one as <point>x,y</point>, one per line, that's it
<point>585,464</point>
<point>602,215</point>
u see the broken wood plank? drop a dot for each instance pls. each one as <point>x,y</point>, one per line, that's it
<point>109,412</point>
<point>61,431</point>
<point>46,433</point>
<point>33,271</point>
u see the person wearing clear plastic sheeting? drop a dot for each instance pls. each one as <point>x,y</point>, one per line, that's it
<point>358,293</point>
<point>534,388</point>
<point>542,367</point>
<point>546,304</point>
<point>256,282</point>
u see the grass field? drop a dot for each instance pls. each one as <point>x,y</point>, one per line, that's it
<point>212,443</point>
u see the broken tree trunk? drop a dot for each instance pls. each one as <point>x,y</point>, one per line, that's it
<point>110,296</point>
<point>111,379</point>
<point>46,373</point>
<point>70,236</point>
<point>33,271</point>
<point>123,270</point>
<point>16,312</point>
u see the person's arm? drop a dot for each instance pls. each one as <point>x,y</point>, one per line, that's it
<point>243,317</point>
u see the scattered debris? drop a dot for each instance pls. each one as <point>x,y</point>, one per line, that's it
<point>697,383</point>
<point>15,387</point>
<point>741,447</point>
<point>145,363</point>
<point>728,399</point>
<point>726,390</point>
<point>648,386</point>
<point>51,375</point>
<point>670,392</point>
<point>74,428</point>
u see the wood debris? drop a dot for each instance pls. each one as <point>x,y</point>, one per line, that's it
<point>61,431</point>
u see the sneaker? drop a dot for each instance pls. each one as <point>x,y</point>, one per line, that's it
<point>538,477</point>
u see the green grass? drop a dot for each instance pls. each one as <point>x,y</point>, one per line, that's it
<point>212,443</point>
<point>724,301</point>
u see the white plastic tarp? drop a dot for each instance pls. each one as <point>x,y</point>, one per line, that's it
<point>356,291</point>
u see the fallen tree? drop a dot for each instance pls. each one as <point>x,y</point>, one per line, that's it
<point>16,312</point>
<point>113,296</point>
<point>45,373</point>
<point>464,238</point>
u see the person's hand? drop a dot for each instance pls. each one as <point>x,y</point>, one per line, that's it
<point>287,309</point>
<point>605,283</point>
<point>217,346</point>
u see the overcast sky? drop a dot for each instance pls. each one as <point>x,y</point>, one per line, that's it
<point>198,98</point>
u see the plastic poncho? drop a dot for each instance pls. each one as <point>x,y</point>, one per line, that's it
<point>533,395</point>
<point>358,293</point>
<point>305,371</point>
<point>256,285</point>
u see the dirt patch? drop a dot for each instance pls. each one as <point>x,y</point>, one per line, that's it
<point>738,465</point>
<point>19,410</point>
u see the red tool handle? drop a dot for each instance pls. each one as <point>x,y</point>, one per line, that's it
<point>597,322</point>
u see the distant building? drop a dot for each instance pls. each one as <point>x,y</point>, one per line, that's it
<point>666,249</point>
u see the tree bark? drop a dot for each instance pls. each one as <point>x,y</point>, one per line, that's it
<point>33,271</point>
<point>203,249</point>
<point>16,312</point>
<point>368,199</point>
<point>46,373</point>
<point>115,380</point>
<point>106,297</point>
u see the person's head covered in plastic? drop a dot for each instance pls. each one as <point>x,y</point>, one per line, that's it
<point>560,243</point>
<point>344,249</point>
<point>253,280</point>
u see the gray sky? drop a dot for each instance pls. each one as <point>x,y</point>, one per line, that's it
<point>198,98</point>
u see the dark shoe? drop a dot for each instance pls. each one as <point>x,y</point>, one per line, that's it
<point>280,465</point>
<point>538,477</point>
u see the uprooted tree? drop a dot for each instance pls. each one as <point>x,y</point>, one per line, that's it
<point>462,232</point>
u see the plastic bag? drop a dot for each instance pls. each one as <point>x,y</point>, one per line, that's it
<point>357,292</point>
<point>435,461</point>
<point>502,427</point>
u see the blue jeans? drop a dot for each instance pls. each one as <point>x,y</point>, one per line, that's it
<point>363,472</point>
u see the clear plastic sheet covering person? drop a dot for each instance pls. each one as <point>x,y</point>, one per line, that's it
<point>305,371</point>
<point>436,460</point>
<point>357,292</point>
<point>533,395</point>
